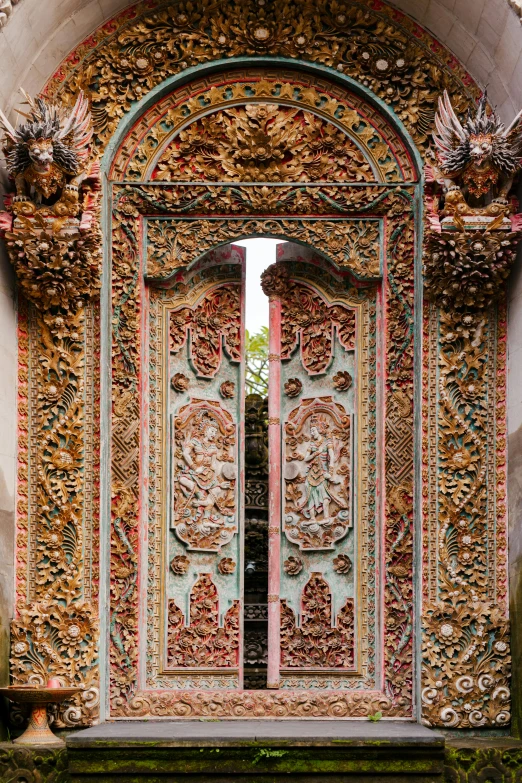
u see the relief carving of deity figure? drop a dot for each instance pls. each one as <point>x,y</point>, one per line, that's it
<point>204,483</point>
<point>317,511</point>
<point>320,457</point>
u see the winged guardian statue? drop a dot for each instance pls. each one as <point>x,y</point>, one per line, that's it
<point>479,158</point>
<point>47,154</point>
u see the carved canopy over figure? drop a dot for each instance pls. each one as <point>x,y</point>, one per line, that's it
<point>479,159</point>
<point>50,150</point>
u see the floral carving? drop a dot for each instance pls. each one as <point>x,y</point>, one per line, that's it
<point>262,142</point>
<point>179,382</point>
<point>204,512</point>
<point>468,268</point>
<point>466,635</point>
<point>293,387</point>
<point>179,564</point>
<point>173,243</point>
<point>293,565</point>
<point>227,389</point>
<point>317,495</point>
<point>226,566</point>
<point>317,642</point>
<point>203,642</point>
<point>394,67</point>
<point>306,315</point>
<point>215,317</point>
<point>342,380</point>
<point>342,564</point>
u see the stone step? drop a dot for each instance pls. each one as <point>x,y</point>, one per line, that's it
<point>256,751</point>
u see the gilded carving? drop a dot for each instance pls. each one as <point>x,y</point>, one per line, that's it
<point>407,73</point>
<point>466,635</point>
<point>317,474</point>
<point>380,47</point>
<point>468,268</point>
<point>317,641</point>
<point>203,642</point>
<point>47,155</point>
<point>173,243</point>
<point>477,160</point>
<point>262,142</point>
<point>204,512</point>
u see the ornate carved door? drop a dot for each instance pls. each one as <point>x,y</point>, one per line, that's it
<point>318,619</point>
<point>204,325</point>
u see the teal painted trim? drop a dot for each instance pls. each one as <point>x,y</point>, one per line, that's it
<point>198,71</point>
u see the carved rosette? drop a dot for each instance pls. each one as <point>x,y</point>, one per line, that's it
<point>56,254</point>
<point>392,66</point>
<point>468,255</point>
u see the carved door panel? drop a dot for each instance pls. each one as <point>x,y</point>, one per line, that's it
<point>203,635</point>
<point>312,544</point>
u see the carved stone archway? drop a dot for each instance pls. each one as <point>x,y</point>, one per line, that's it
<point>365,44</point>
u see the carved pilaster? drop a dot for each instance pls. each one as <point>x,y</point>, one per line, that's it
<point>56,254</point>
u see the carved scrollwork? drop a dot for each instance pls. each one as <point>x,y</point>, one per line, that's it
<point>173,244</point>
<point>310,321</point>
<point>215,317</point>
<point>262,142</point>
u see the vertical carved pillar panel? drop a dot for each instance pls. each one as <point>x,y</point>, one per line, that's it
<point>468,252</point>
<point>56,256</point>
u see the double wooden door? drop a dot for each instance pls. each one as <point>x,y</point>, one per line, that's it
<point>315,599</point>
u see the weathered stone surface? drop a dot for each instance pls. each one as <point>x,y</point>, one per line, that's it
<point>269,750</point>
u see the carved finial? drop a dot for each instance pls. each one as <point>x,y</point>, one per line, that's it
<point>274,280</point>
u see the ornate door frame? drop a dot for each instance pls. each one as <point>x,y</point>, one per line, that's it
<point>366,228</point>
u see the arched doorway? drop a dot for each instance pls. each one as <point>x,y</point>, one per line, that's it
<point>261,156</point>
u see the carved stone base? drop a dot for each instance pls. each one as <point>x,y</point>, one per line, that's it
<point>384,751</point>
